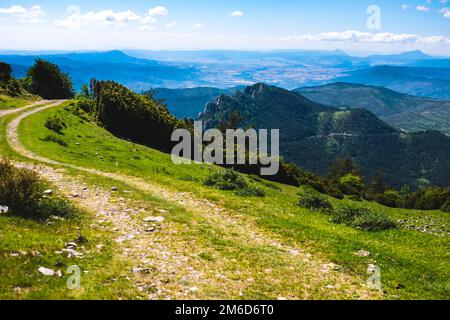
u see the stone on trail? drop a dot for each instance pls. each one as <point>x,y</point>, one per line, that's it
<point>49,272</point>
<point>158,219</point>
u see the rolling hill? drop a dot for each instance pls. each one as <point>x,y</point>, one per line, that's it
<point>400,110</point>
<point>314,135</point>
<point>422,82</point>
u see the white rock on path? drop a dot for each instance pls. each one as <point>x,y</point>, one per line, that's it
<point>49,272</point>
<point>158,219</point>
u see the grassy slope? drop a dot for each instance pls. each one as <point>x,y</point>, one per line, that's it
<point>8,102</point>
<point>19,276</point>
<point>404,256</point>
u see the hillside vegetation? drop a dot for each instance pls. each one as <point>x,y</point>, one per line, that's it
<point>402,253</point>
<point>400,110</point>
<point>314,135</point>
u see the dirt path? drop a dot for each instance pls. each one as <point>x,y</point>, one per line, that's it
<point>166,264</point>
<point>16,110</point>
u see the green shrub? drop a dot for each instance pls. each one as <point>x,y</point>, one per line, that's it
<point>55,124</point>
<point>227,179</point>
<point>313,200</point>
<point>352,185</point>
<point>55,139</point>
<point>362,218</point>
<point>354,198</point>
<point>251,191</point>
<point>55,207</point>
<point>21,191</point>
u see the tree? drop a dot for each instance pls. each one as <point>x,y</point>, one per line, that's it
<point>342,167</point>
<point>377,185</point>
<point>46,80</point>
<point>5,72</point>
<point>351,185</point>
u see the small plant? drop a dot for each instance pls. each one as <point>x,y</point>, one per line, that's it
<point>354,198</point>
<point>227,179</point>
<point>21,192</point>
<point>313,200</point>
<point>362,218</point>
<point>251,191</point>
<point>55,139</point>
<point>55,124</point>
<point>19,189</point>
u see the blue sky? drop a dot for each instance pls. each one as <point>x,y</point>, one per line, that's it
<point>232,24</point>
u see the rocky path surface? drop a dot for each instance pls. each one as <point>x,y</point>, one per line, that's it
<point>165,264</point>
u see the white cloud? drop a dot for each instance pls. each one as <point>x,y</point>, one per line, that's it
<point>445,12</point>
<point>367,37</point>
<point>157,11</point>
<point>443,1</point>
<point>101,18</point>
<point>237,13</point>
<point>33,14</point>
<point>171,24</point>
<point>423,8</point>
<point>405,6</point>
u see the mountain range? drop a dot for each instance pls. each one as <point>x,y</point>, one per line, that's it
<point>410,72</point>
<point>418,81</point>
<point>313,135</point>
<point>400,110</point>
<point>137,74</point>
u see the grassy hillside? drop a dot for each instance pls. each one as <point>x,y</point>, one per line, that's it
<point>313,135</point>
<point>15,100</point>
<point>409,269</point>
<point>400,110</point>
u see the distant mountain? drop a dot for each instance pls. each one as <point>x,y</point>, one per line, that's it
<point>422,82</point>
<point>189,102</point>
<point>397,59</point>
<point>137,74</point>
<point>313,135</point>
<point>400,110</point>
<point>433,63</point>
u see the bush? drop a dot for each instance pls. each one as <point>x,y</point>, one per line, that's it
<point>55,139</point>
<point>251,191</point>
<point>354,198</point>
<point>352,185</point>
<point>314,201</point>
<point>21,191</point>
<point>227,179</point>
<point>55,124</point>
<point>362,218</point>
<point>388,198</point>
<point>446,206</point>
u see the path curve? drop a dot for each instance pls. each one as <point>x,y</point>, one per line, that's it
<point>246,227</point>
<point>28,106</point>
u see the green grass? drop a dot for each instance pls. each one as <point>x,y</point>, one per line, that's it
<point>8,102</point>
<point>416,260</point>
<point>26,245</point>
